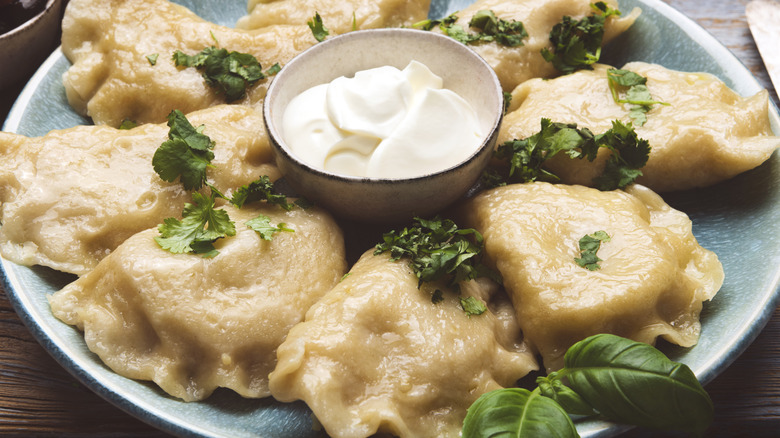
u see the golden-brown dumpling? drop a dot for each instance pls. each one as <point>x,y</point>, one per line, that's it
<point>707,133</point>
<point>376,355</point>
<point>67,199</point>
<point>653,277</point>
<point>192,324</point>
<point>514,65</point>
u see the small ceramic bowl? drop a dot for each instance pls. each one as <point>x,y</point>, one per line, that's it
<point>375,199</point>
<point>25,47</point>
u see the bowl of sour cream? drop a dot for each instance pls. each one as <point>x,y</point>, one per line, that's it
<point>384,125</point>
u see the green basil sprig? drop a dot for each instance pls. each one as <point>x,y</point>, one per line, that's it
<point>622,380</point>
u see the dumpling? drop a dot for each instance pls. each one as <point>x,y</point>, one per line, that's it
<point>653,278</point>
<point>514,65</point>
<point>112,79</point>
<point>377,355</point>
<point>67,199</point>
<point>706,134</point>
<point>337,15</point>
<point>192,324</point>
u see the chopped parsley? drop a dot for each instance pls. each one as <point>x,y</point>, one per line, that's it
<point>128,124</point>
<point>185,155</point>
<point>262,225</point>
<point>472,306</point>
<point>318,29</point>
<point>589,246</point>
<point>525,158</point>
<point>438,250</point>
<point>201,225</point>
<point>636,93</point>
<point>261,189</point>
<point>152,58</point>
<point>489,28</point>
<point>230,72</point>
<point>577,44</point>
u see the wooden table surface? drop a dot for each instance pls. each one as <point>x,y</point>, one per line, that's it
<point>39,398</point>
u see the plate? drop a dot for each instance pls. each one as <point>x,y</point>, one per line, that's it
<point>736,219</point>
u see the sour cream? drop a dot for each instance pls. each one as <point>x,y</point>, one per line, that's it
<point>382,123</point>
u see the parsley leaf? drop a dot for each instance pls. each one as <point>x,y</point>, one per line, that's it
<point>589,245</point>
<point>152,58</point>
<point>490,28</point>
<point>525,158</point>
<point>577,44</point>
<point>231,72</point>
<point>262,225</point>
<point>636,93</point>
<point>438,250</point>
<point>185,155</point>
<point>201,225</point>
<point>472,306</point>
<point>261,189</point>
<point>128,124</point>
<point>318,29</point>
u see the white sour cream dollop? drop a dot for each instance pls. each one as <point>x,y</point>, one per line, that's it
<point>382,123</point>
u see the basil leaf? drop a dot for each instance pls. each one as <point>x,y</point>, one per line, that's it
<point>517,412</point>
<point>632,382</point>
<point>551,386</point>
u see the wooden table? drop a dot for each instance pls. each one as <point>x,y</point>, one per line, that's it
<point>39,398</point>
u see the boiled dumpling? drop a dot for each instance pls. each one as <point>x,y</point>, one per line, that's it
<point>67,199</point>
<point>514,65</point>
<point>192,324</point>
<point>377,355</point>
<point>338,16</point>
<point>652,280</point>
<point>707,133</point>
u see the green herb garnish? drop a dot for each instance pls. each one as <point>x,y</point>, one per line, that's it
<point>262,225</point>
<point>128,124</point>
<point>489,28</point>
<point>261,189</point>
<point>201,225</point>
<point>619,379</point>
<point>526,157</point>
<point>589,246</point>
<point>152,58</point>
<point>577,44</point>
<point>318,29</point>
<point>636,93</point>
<point>438,250</point>
<point>231,72</point>
<point>185,155</point>
<point>472,306</point>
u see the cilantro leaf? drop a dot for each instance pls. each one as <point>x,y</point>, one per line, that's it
<point>489,28</point>
<point>152,58</point>
<point>231,72</point>
<point>261,189</point>
<point>201,225</point>
<point>128,124</point>
<point>636,93</point>
<point>438,250</point>
<point>318,29</point>
<point>262,225</point>
<point>525,158</point>
<point>577,43</point>
<point>185,155</point>
<point>589,246</point>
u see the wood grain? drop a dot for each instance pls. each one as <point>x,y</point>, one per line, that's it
<point>39,398</point>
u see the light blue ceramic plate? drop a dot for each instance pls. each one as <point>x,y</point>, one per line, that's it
<point>737,219</point>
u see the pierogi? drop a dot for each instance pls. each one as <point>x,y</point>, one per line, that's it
<point>67,199</point>
<point>192,324</point>
<point>109,43</point>
<point>375,354</point>
<point>652,280</point>
<point>514,65</point>
<point>707,133</point>
<point>338,16</point>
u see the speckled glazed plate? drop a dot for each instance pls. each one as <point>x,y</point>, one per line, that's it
<point>737,219</point>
